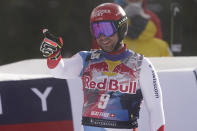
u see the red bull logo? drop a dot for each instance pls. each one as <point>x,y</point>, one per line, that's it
<point>127,86</point>
<point>112,68</point>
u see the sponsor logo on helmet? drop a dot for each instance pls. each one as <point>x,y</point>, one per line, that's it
<point>106,84</point>
<point>101,12</point>
<point>122,21</point>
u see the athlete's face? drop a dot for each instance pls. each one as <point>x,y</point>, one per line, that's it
<point>107,43</point>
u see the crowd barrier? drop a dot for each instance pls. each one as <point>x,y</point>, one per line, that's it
<point>30,99</point>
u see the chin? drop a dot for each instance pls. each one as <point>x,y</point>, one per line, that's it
<point>107,49</point>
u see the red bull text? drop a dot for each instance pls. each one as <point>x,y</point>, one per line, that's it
<point>111,85</point>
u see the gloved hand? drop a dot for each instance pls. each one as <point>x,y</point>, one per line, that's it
<point>51,45</point>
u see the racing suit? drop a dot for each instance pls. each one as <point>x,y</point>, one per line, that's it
<point>114,86</point>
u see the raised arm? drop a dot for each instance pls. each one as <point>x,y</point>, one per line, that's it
<point>59,68</point>
<point>152,94</point>
<point>68,68</point>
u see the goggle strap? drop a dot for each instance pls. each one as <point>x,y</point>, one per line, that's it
<point>121,22</point>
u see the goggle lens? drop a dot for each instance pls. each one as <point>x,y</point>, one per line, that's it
<point>106,28</point>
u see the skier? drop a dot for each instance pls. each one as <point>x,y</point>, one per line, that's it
<point>115,79</point>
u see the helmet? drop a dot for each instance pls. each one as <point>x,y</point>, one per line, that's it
<point>111,12</point>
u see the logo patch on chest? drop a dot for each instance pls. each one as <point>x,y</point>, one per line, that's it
<point>106,84</point>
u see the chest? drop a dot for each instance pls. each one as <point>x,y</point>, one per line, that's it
<point>111,76</point>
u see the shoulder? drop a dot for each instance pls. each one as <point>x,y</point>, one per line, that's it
<point>135,58</point>
<point>147,64</point>
<point>90,55</point>
<point>146,61</point>
<point>84,53</point>
<point>135,55</point>
<point>161,43</point>
<point>165,49</point>
<point>147,69</point>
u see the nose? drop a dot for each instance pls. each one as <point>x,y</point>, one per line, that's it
<point>102,37</point>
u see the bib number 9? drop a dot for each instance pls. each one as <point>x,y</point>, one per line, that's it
<point>103,101</point>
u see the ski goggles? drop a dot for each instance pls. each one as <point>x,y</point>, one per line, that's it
<point>107,28</point>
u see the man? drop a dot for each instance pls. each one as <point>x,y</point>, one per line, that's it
<point>115,79</point>
<point>133,7</point>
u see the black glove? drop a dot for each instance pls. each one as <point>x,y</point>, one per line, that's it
<point>51,45</point>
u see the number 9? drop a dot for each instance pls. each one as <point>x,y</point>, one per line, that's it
<point>103,101</point>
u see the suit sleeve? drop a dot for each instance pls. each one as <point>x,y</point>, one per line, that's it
<point>68,68</point>
<point>152,94</point>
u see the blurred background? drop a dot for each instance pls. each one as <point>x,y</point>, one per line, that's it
<point>22,21</point>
